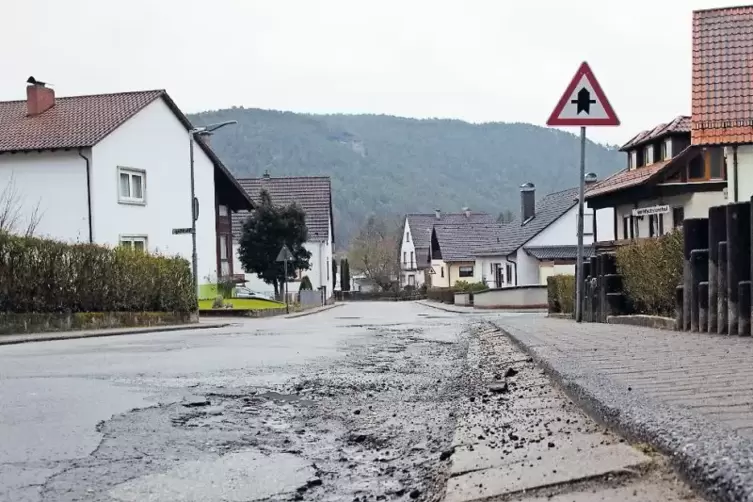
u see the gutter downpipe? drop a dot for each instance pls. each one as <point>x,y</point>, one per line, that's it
<point>514,266</point>
<point>88,193</point>
<point>734,167</point>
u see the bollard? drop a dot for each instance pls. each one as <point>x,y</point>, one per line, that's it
<point>703,306</point>
<point>695,236</point>
<point>678,308</point>
<point>717,234</point>
<point>586,273</point>
<point>721,305</point>
<point>699,272</point>
<point>743,323</point>
<point>595,265</point>
<point>609,267</point>
<point>738,258</point>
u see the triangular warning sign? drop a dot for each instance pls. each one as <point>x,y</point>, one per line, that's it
<point>583,103</point>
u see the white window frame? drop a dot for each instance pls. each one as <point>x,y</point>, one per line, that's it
<point>473,271</point>
<point>131,172</point>
<point>129,240</point>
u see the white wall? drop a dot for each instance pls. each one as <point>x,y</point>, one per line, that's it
<point>406,248</point>
<point>56,182</point>
<point>154,140</point>
<point>483,271</point>
<point>695,205</point>
<point>564,231</point>
<point>320,254</point>
<point>528,268</point>
<point>745,173</point>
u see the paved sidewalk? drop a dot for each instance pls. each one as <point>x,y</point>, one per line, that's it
<point>93,333</point>
<point>690,395</point>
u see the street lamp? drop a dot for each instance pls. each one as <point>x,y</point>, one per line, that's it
<point>198,131</point>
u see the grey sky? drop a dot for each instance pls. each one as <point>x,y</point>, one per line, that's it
<point>477,60</point>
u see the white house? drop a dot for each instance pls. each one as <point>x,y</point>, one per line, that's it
<point>542,240</point>
<point>113,169</point>
<point>666,180</point>
<point>314,195</point>
<point>416,244</point>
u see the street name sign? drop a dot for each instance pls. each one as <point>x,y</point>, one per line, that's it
<point>647,211</point>
<point>181,231</point>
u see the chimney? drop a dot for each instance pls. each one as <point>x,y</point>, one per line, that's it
<point>39,97</point>
<point>467,211</point>
<point>527,201</point>
<point>591,178</point>
<point>438,214</point>
<point>266,174</point>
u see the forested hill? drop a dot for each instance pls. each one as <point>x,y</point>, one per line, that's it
<point>390,165</point>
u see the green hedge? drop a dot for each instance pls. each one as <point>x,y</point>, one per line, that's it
<point>651,270</point>
<point>469,287</point>
<point>561,293</point>
<point>38,275</point>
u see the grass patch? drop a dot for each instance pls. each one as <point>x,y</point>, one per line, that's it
<point>244,304</point>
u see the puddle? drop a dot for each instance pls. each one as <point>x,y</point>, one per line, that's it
<point>348,317</point>
<point>285,398</point>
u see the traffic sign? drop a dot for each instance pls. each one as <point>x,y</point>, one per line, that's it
<point>285,255</point>
<point>180,231</point>
<point>583,103</point>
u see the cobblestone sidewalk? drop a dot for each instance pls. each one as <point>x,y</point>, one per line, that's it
<point>691,395</point>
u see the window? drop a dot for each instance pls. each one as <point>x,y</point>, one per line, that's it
<point>508,276</point>
<point>664,150</point>
<point>135,242</point>
<point>225,266</point>
<point>626,227</point>
<point>678,215</point>
<point>588,224</point>
<point>405,257</point>
<point>637,226</point>
<point>407,236</point>
<point>328,267</point>
<point>411,280</point>
<point>411,258</point>
<point>710,165</point>
<point>465,271</point>
<point>131,186</point>
<point>630,160</point>
<point>653,225</point>
<point>648,156</point>
<point>223,210</point>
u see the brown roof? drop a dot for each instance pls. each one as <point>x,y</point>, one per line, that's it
<point>629,178</point>
<point>722,82</point>
<point>312,193</point>
<point>679,125</point>
<point>73,122</point>
<point>84,121</point>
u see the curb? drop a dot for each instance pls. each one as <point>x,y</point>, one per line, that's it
<point>714,460</point>
<point>312,312</point>
<point>51,337</point>
<point>431,305</point>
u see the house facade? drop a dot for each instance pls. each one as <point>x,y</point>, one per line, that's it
<point>542,240</point>
<point>722,116</point>
<point>666,180</point>
<point>314,195</point>
<point>416,265</point>
<point>113,169</point>
<point>453,252</point>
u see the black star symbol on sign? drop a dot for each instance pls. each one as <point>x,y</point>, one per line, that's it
<point>584,101</point>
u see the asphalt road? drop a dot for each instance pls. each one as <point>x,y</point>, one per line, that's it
<point>365,402</point>
<point>353,402</point>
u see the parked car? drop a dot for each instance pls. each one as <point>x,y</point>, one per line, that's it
<point>244,292</point>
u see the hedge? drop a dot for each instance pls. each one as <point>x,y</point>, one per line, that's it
<point>469,287</point>
<point>45,276</point>
<point>651,270</point>
<point>561,293</point>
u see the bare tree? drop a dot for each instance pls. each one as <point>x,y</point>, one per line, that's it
<point>372,252</point>
<point>11,211</point>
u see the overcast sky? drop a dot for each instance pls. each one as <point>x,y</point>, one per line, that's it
<point>477,60</point>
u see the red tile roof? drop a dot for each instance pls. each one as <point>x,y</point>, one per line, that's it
<point>625,179</point>
<point>679,125</point>
<point>723,76</point>
<point>73,122</point>
<point>84,121</point>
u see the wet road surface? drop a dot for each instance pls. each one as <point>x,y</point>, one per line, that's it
<point>364,402</point>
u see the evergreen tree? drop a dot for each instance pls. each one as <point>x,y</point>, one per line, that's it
<point>265,232</point>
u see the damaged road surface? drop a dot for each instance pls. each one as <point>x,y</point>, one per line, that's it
<point>366,402</point>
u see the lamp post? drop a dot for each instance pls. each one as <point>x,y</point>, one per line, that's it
<point>198,131</point>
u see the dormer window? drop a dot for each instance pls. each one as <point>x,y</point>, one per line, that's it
<point>648,155</point>
<point>631,164</point>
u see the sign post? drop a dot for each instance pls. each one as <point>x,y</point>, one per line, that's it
<point>582,104</point>
<point>285,256</point>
